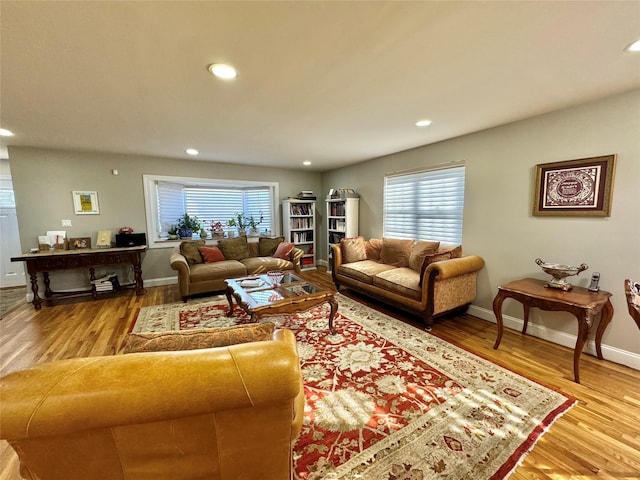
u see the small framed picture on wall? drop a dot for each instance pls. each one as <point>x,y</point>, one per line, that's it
<point>85,203</point>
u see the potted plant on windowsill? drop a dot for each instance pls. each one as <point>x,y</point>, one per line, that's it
<point>253,225</point>
<point>217,229</point>
<point>187,225</point>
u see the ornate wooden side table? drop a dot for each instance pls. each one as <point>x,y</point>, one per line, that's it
<point>582,303</point>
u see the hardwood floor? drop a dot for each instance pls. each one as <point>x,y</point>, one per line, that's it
<point>598,438</point>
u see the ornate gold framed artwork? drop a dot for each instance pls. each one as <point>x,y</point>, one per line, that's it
<point>580,188</point>
<point>85,203</point>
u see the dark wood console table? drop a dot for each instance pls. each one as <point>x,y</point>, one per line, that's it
<point>44,262</point>
<point>582,303</point>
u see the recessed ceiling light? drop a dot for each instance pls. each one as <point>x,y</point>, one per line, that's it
<point>192,151</point>
<point>634,47</point>
<point>423,123</point>
<point>306,163</point>
<point>221,70</point>
<point>5,133</point>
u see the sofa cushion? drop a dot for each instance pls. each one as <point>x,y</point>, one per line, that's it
<point>373,247</point>
<point>353,249</point>
<point>190,251</point>
<point>454,250</point>
<point>284,250</point>
<point>447,253</point>
<point>255,265</point>
<point>402,281</point>
<point>396,251</point>
<point>235,248</point>
<point>267,246</point>
<point>211,254</point>
<point>196,339</point>
<point>418,253</point>
<point>364,270</point>
<point>205,272</point>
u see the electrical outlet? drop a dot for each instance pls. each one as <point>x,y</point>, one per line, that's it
<point>66,223</point>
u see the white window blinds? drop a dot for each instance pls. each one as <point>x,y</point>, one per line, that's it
<point>426,205</point>
<point>170,204</point>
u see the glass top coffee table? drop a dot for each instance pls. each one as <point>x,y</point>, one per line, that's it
<point>260,296</point>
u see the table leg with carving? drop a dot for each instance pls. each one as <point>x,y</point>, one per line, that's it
<point>92,277</point>
<point>334,308</point>
<point>605,318</point>
<point>526,318</point>
<point>137,272</point>
<point>33,277</point>
<point>497,311</point>
<point>229,294</point>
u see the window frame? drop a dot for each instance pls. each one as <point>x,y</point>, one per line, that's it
<point>427,171</point>
<point>150,183</point>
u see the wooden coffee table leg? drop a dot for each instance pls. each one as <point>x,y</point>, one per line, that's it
<point>334,308</point>
<point>228,292</point>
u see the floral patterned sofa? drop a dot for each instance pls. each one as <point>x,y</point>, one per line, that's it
<point>424,278</point>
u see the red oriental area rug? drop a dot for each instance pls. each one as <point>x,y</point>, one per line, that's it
<point>387,401</point>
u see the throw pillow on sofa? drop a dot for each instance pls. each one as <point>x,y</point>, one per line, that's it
<point>419,251</point>
<point>234,249</point>
<point>190,251</point>
<point>267,246</point>
<point>443,253</point>
<point>211,254</point>
<point>199,338</point>
<point>284,250</point>
<point>353,249</point>
<point>373,247</point>
<point>396,251</point>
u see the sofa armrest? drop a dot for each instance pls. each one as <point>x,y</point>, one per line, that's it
<point>180,264</point>
<point>295,257</point>
<point>453,267</point>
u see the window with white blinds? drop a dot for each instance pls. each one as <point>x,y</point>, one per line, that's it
<point>425,205</point>
<point>211,200</point>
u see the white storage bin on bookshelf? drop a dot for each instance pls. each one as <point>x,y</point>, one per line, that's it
<point>342,221</point>
<point>299,222</point>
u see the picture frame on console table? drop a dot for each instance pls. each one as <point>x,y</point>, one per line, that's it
<point>580,188</point>
<point>85,203</point>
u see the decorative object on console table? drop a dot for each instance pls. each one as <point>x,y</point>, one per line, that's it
<point>299,220</point>
<point>580,187</point>
<point>131,239</point>
<point>342,219</point>
<point>559,273</point>
<point>85,203</point>
<point>104,239</point>
<point>79,243</point>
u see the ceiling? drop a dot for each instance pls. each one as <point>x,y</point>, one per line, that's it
<point>330,82</point>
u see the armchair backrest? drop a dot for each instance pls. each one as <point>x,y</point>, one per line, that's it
<point>220,413</point>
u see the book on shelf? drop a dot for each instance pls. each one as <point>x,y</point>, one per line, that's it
<point>252,282</point>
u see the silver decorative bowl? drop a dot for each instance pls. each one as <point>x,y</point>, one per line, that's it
<point>559,272</point>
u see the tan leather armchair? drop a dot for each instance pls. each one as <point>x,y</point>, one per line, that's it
<point>220,413</point>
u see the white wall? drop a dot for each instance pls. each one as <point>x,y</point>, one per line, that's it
<point>499,226</point>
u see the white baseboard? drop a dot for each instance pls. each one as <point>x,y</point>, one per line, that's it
<point>323,263</point>
<point>156,282</point>
<point>613,354</point>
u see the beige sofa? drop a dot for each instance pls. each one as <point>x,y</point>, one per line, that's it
<point>424,278</point>
<point>241,258</point>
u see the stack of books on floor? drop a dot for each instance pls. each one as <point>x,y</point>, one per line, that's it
<point>107,283</point>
